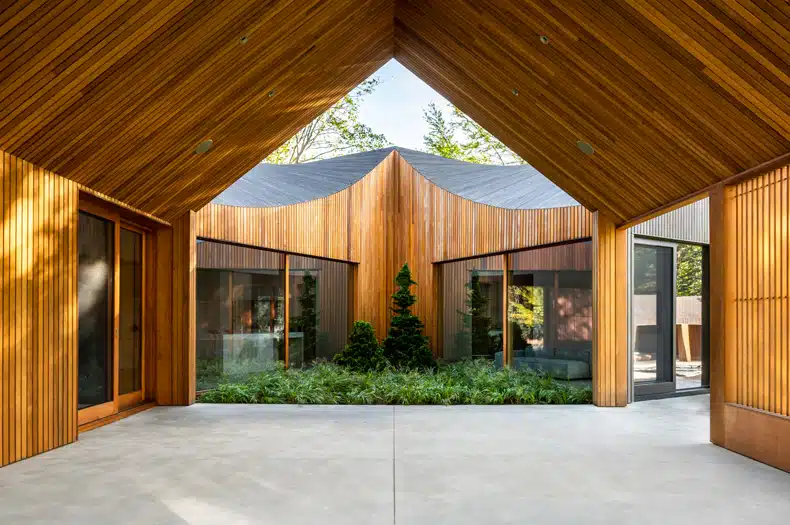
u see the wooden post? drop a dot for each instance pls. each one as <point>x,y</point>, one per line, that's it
<point>176,360</point>
<point>287,313</point>
<point>506,351</point>
<point>610,316</point>
<point>723,373</point>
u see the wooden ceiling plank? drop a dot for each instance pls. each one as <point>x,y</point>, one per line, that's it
<point>692,99</point>
<point>549,165</point>
<point>380,51</point>
<point>171,86</point>
<point>759,103</point>
<point>91,88</point>
<point>68,87</point>
<point>227,109</point>
<point>14,14</point>
<point>557,115</point>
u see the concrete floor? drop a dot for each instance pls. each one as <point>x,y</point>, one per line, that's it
<point>650,463</point>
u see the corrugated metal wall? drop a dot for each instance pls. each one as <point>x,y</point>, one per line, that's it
<point>690,223</point>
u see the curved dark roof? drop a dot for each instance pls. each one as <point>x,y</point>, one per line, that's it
<point>515,187</point>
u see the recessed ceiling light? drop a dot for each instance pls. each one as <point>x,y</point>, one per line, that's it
<point>585,148</point>
<point>544,39</point>
<point>515,91</point>
<point>271,93</point>
<point>204,146</point>
<point>244,39</point>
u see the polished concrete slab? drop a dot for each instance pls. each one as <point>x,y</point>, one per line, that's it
<point>233,464</point>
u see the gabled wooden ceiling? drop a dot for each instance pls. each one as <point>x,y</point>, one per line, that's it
<point>117,95</point>
<point>673,95</point>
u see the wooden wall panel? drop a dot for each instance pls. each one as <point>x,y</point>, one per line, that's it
<point>750,315</point>
<point>392,216</point>
<point>610,317</point>
<point>38,298</point>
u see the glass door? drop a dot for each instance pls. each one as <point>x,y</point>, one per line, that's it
<point>95,288</point>
<point>130,318</point>
<point>111,314</point>
<point>653,318</point>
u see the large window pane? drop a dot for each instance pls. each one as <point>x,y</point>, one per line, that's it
<point>240,312</point>
<point>472,318</point>
<point>318,323</point>
<point>550,310</point>
<point>130,316</point>
<point>95,294</point>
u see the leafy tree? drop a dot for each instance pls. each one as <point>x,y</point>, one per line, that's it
<point>525,308</point>
<point>476,324</point>
<point>363,352</point>
<point>405,346</point>
<point>337,132</point>
<point>689,277</point>
<point>308,321</point>
<point>461,138</point>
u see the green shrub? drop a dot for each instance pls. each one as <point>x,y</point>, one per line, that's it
<point>405,346</point>
<point>362,353</point>
<point>468,382</point>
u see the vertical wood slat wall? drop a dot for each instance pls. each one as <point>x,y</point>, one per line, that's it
<point>38,323</point>
<point>761,317</point>
<point>750,315</point>
<point>391,216</point>
<point>610,317</point>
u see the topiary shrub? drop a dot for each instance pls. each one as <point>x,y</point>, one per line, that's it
<point>405,346</point>
<point>362,353</point>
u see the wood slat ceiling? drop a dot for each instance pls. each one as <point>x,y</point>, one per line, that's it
<point>674,95</point>
<point>116,95</point>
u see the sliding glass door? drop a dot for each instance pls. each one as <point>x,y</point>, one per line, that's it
<point>95,290</point>
<point>653,318</point>
<point>110,298</point>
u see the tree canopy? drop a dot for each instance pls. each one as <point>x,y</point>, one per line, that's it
<point>337,132</point>
<point>459,137</point>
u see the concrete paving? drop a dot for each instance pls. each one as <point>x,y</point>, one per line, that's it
<point>650,463</point>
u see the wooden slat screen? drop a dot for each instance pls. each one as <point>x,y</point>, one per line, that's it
<point>762,312</point>
<point>38,327</point>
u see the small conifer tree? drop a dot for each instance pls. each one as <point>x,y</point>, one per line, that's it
<point>362,353</point>
<point>405,346</point>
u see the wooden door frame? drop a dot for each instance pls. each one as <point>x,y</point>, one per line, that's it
<point>136,398</point>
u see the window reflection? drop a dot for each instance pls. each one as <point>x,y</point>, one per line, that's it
<point>472,297</point>
<point>550,310</point>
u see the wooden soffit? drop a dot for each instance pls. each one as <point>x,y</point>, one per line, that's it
<point>672,95</point>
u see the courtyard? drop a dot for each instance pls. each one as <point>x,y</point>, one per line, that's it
<point>651,462</point>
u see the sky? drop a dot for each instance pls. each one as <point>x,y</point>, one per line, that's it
<point>395,107</point>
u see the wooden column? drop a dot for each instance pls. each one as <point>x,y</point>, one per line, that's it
<point>506,350</point>
<point>176,303</point>
<point>610,316</point>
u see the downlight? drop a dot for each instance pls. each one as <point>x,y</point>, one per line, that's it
<point>204,146</point>
<point>243,40</point>
<point>544,39</point>
<point>585,148</point>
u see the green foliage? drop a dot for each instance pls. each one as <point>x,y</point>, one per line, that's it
<point>689,277</point>
<point>337,132</point>
<point>525,307</point>
<point>363,352</point>
<point>461,138</point>
<point>307,323</point>
<point>468,382</point>
<point>476,331</point>
<point>405,346</point>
